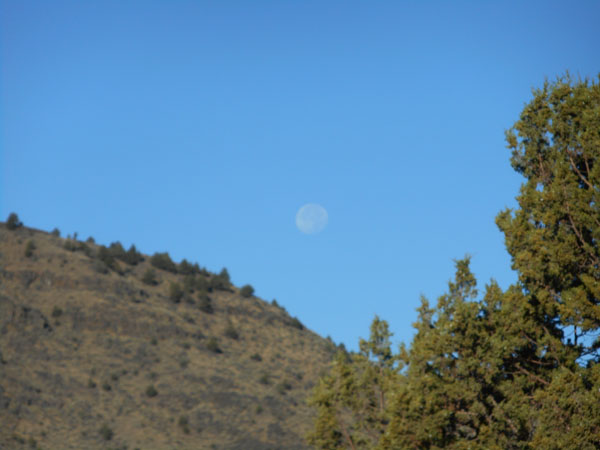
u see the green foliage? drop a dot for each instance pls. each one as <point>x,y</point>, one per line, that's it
<point>247,291</point>
<point>553,237</point>
<point>205,303</point>
<point>132,256</point>
<point>149,277</point>
<point>283,387</point>
<point>513,369</point>
<point>56,312</point>
<point>184,424</point>
<point>295,322</point>
<point>163,261</point>
<point>151,391</point>
<point>106,432</point>
<point>352,400</point>
<point>116,250</point>
<point>186,268</point>
<point>175,292</point>
<point>107,256</point>
<point>189,283</point>
<point>70,245</point>
<point>224,275</point>
<point>256,357</point>
<point>221,281</point>
<point>55,232</point>
<point>29,248</point>
<point>13,222</point>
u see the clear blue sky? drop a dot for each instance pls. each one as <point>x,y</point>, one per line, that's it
<point>200,128</point>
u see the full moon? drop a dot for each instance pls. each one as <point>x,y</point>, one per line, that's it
<point>311,218</point>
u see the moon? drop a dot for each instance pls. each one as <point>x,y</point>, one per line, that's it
<point>311,218</point>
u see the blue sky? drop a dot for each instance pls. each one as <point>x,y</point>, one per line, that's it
<point>200,128</point>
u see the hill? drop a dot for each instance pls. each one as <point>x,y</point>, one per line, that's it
<point>103,348</point>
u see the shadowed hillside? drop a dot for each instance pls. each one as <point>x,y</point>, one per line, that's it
<point>106,348</point>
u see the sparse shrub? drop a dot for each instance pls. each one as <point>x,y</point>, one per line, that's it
<point>205,303</point>
<point>184,362</point>
<point>164,262</point>
<point>149,278</point>
<point>256,357</point>
<point>90,240</point>
<point>224,274</point>
<point>91,384</point>
<point>201,283</point>
<point>100,267</point>
<point>259,409</point>
<point>186,345</point>
<point>29,248</point>
<point>32,442</point>
<point>151,391</point>
<point>175,292</point>
<point>106,432</point>
<point>247,291</point>
<point>185,268</point>
<point>56,312</point>
<point>116,250</point>
<point>18,439</point>
<point>274,303</point>
<point>13,222</point>
<point>188,318</point>
<point>283,387</point>
<point>133,257</point>
<point>70,245</point>
<point>231,332</point>
<point>295,322</point>
<point>264,379</point>
<point>213,345</point>
<point>184,424</point>
<point>107,387</point>
<point>86,250</point>
<point>55,232</point>
<point>106,255</point>
<point>221,281</point>
<point>189,283</point>
<point>153,341</point>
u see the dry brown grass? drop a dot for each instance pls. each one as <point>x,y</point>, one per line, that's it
<point>65,379</point>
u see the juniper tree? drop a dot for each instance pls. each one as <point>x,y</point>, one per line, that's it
<point>553,235</point>
<point>515,369</point>
<point>351,399</point>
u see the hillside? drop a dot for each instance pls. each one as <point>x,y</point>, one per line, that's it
<point>101,349</point>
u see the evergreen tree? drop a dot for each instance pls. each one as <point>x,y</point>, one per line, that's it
<point>351,399</point>
<point>515,369</point>
<point>553,236</point>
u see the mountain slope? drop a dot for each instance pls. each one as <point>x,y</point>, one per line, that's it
<point>92,357</point>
